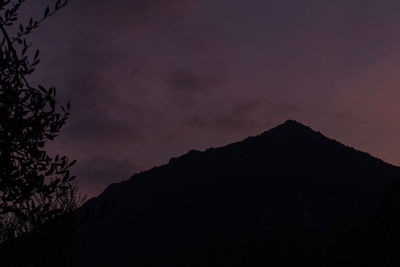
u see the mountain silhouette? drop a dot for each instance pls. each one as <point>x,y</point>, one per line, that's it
<point>288,197</point>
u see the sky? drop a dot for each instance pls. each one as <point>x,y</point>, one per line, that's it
<point>152,79</point>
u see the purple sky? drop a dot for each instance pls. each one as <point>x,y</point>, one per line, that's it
<point>151,79</point>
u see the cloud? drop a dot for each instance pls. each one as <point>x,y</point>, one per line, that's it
<point>238,117</point>
<point>185,80</point>
<point>150,79</point>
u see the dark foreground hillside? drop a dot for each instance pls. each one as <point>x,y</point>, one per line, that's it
<point>288,197</point>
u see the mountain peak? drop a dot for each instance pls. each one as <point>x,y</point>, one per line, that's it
<point>293,124</point>
<point>293,130</point>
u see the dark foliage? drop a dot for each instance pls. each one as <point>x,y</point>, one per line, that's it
<point>47,246</point>
<point>34,187</point>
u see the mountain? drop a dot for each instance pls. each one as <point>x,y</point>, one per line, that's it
<point>288,195</point>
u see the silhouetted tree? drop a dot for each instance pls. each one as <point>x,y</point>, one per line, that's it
<point>34,187</point>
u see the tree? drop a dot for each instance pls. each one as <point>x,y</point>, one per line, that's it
<point>34,186</point>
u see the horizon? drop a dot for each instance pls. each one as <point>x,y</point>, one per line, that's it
<point>151,80</point>
<point>292,122</point>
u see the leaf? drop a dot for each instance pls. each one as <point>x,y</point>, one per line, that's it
<point>24,49</point>
<point>36,55</point>
<point>47,11</point>
<point>72,163</point>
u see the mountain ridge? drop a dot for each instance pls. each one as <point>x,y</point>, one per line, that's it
<point>288,125</point>
<point>290,188</point>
